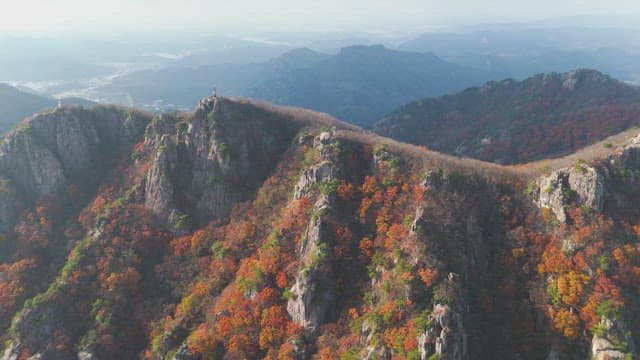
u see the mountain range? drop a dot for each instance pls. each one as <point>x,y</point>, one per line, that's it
<point>507,121</point>
<point>244,230</point>
<point>15,105</point>
<point>359,84</point>
<point>520,51</point>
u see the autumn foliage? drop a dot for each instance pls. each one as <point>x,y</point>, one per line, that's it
<point>399,241</point>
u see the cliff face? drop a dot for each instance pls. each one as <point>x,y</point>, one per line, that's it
<point>312,294</point>
<point>208,162</point>
<point>63,149</point>
<point>241,231</point>
<point>203,164</point>
<point>62,154</point>
<point>581,185</point>
<point>60,148</point>
<point>590,186</point>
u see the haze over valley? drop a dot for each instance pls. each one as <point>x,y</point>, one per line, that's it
<point>311,69</point>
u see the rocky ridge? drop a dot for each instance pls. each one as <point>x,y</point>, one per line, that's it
<point>235,225</point>
<point>509,122</point>
<point>59,149</point>
<point>586,185</point>
<point>311,292</point>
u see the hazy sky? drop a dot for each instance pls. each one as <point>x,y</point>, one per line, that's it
<point>55,16</point>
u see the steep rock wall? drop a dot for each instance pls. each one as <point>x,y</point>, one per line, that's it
<point>208,162</point>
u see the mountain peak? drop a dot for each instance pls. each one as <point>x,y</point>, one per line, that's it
<point>301,54</point>
<point>300,51</point>
<point>364,49</point>
<point>571,79</point>
<point>584,76</point>
<point>518,121</point>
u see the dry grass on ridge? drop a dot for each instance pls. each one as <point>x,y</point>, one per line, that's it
<point>432,159</point>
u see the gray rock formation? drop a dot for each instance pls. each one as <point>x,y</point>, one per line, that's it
<point>586,185</point>
<point>11,352</point>
<point>86,355</point>
<point>65,146</point>
<point>159,187</point>
<point>373,351</point>
<point>311,296</point>
<point>551,194</point>
<point>581,185</point>
<point>447,337</point>
<point>311,291</point>
<point>628,157</point>
<point>614,343</point>
<point>60,148</point>
<point>589,184</point>
<point>28,162</point>
<point>208,162</point>
<point>314,175</point>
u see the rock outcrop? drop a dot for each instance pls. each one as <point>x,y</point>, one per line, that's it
<point>613,341</point>
<point>314,175</point>
<point>628,157</point>
<point>29,162</point>
<point>69,146</point>
<point>208,162</point>
<point>446,337</point>
<point>11,352</point>
<point>586,185</point>
<point>66,146</point>
<point>373,351</point>
<point>86,355</point>
<point>159,186</point>
<point>311,292</point>
<point>581,185</point>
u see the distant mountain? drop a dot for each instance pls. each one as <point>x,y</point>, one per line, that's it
<point>511,122</point>
<point>519,52</point>
<point>359,84</point>
<point>237,52</point>
<point>15,105</point>
<point>183,86</point>
<point>516,38</point>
